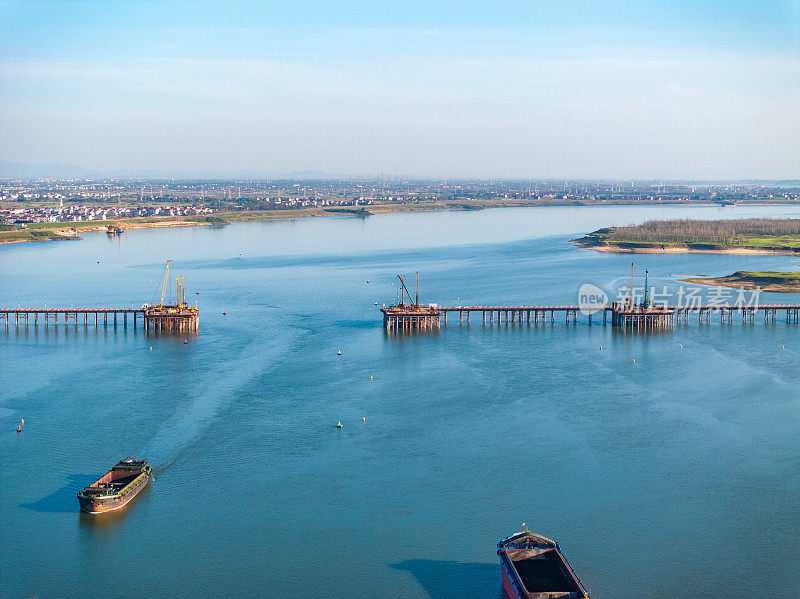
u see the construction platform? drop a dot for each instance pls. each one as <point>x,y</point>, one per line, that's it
<point>408,316</point>
<point>178,318</point>
<point>642,317</point>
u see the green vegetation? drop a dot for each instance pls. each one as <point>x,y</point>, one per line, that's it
<point>782,282</point>
<point>357,211</point>
<point>211,220</point>
<point>779,235</point>
<point>7,236</point>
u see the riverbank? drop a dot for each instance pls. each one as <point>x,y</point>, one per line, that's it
<point>682,249</point>
<point>66,231</point>
<point>71,230</point>
<point>778,282</point>
<point>745,236</point>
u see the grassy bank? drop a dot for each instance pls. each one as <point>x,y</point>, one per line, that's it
<point>72,230</point>
<point>753,235</point>
<point>781,282</point>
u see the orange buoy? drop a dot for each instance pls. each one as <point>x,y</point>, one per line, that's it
<point>370,377</point>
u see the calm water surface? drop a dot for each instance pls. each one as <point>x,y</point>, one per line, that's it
<point>673,476</point>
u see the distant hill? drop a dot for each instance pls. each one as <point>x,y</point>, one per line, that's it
<point>21,170</point>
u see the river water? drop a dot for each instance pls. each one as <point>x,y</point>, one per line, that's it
<point>673,475</point>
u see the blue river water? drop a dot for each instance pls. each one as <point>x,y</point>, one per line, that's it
<point>665,464</point>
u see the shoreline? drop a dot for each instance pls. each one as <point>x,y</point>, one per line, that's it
<point>772,282</point>
<point>73,233</point>
<point>612,249</point>
<point>69,231</point>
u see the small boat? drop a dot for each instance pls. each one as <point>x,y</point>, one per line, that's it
<point>533,567</point>
<point>116,488</point>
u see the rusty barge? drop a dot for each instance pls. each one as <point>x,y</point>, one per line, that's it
<point>116,488</point>
<point>533,567</point>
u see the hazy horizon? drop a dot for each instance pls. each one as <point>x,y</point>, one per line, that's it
<point>616,91</point>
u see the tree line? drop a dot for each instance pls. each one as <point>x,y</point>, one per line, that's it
<point>698,231</point>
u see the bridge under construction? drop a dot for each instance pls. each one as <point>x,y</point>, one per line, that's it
<point>162,317</point>
<point>626,315</point>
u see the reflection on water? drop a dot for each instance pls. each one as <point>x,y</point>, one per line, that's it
<point>109,521</point>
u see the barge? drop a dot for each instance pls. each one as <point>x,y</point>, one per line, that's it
<point>533,567</point>
<point>116,488</point>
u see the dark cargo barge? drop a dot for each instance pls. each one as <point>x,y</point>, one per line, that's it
<point>116,488</point>
<point>534,568</point>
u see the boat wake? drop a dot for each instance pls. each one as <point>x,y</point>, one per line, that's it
<point>215,391</point>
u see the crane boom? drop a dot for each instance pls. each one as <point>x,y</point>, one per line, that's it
<point>404,288</point>
<point>164,284</point>
<point>629,301</point>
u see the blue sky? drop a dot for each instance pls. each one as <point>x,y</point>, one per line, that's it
<point>534,89</point>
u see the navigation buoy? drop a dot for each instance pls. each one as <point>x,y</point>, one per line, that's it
<point>340,353</point>
<point>185,341</point>
<point>19,428</point>
<point>339,424</point>
<point>197,293</point>
<point>224,313</point>
<point>376,303</point>
<point>98,261</point>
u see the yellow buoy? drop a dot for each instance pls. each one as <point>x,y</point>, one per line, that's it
<point>601,348</point>
<point>634,360</point>
<point>151,348</point>
<point>363,419</point>
<point>370,378</point>
<point>22,421</point>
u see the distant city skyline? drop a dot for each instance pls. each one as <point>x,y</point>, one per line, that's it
<point>582,90</point>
